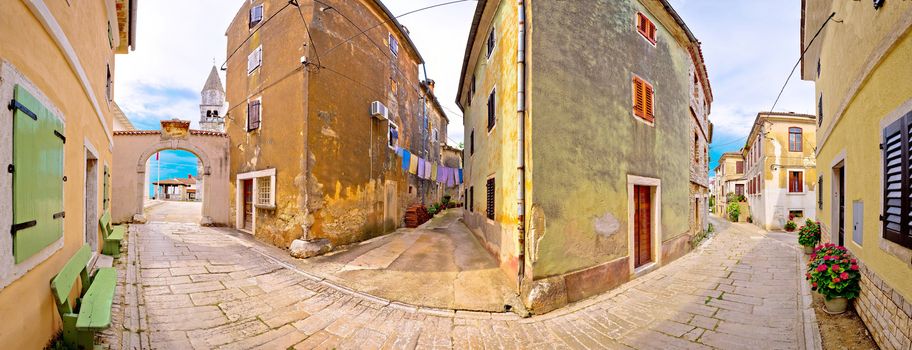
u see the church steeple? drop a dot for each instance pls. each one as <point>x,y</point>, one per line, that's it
<point>212,104</point>
<point>213,82</point>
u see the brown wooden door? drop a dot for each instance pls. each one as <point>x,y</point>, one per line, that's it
<point>642,228</point>
<point>248,204</point>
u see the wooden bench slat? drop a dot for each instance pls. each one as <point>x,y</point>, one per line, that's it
<point>95,312</point>
<point>63,282</point>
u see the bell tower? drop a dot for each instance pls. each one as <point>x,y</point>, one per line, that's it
<point>212,104</point>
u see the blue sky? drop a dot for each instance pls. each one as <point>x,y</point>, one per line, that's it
<point>750,46</point>
<point>171,164</point>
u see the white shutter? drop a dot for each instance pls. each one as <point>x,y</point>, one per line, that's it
<point>255,59</point>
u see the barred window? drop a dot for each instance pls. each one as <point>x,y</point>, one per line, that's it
<point>265,194</point>
<point>489,211</point>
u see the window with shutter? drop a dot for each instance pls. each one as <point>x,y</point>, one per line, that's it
<point>820,192</point>
<point>646,28</point>
<point>472,199</point>
<point>393,44</point>
<point>255,59</point>
<point>38,208</point>
<point>492,107</point>
<point>253,115</point>
<point>491,43</point>
<point>256,15</point>
<point>896,208</point>
<point>796,181</point>
<point>105,196</point>
<point>820,110</point>
<point>472,142</point>
<point>739,167</point>
<point>489,211</point>
<point>643,100</point>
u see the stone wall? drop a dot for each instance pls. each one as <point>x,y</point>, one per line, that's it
<point>886,313</point>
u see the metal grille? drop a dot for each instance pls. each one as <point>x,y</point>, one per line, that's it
<point>489,211</point>
<point>264,191</point>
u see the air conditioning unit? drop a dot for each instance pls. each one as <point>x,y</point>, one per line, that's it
<point>379,111</point>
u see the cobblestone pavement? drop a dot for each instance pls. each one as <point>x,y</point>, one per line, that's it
<point>185,286</point>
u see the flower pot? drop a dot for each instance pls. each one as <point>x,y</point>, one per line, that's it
<point>808,249</point>
<point>835,306</point>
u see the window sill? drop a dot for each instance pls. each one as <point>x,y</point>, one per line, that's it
<point>795,193</point>
<point>264,206</point>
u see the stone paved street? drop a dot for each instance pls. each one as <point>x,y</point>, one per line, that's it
<point>186,287</point>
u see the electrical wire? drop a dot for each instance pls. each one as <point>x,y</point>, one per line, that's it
<point>251,35</point>
<point>800,59</point>
<point>307,28</point>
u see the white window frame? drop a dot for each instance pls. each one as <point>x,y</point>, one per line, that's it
<point>636,29</point>
<point>239,195</point>
<point>391,125</point>
<point>436,135</point>
<point>255,59</point>
<point>250,23</point>
<point>259,101</point>
<point>393,43</point>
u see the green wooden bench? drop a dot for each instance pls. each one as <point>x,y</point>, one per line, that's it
<point>91,310</point>
<point>112,235</point>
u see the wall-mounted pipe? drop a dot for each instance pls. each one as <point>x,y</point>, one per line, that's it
<point>520,139</point>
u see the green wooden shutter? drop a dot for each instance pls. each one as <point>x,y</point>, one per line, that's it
<point>37,176</point>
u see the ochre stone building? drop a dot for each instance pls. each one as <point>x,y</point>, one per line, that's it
<point>860,66</point>
<point>580,179</point>
<point>56,69</point>
<point>317,112</point>
<point>779,169</point>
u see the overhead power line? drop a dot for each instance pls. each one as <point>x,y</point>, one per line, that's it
<point>800,59</point>
<point>251,35</point>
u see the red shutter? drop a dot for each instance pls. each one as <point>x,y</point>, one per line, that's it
<point>638,109</point>
<point>649,103</point>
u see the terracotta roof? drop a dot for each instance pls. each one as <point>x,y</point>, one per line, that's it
<point>180,181</point>
<point>156,132</point>
<point>137,132</point>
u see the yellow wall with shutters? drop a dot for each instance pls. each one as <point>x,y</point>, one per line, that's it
<point>865,79</point>
<point>26,302</point>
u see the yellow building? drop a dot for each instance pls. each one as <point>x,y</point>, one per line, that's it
<point>861,63</point>
<point>581,179</point>
<point>781,179</point>
<point>57,64</point>
<point>729,179</point>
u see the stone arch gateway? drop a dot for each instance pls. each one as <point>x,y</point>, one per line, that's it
<point>133,148</point>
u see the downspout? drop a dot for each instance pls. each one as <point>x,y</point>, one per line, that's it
<point>520,139</point>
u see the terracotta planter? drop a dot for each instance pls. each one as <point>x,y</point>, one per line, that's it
<point>835,306</point>
<point>808,250</point>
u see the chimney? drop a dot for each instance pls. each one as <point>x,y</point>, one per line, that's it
<point>189,176</point>
<point>430,85</point>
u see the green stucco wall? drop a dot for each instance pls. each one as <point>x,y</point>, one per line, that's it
<point>585,140</point>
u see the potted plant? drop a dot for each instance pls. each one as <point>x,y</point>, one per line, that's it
<point>790,225</point>
<point>833,272</point>
<point>734,212</point>
<point>809,235</point>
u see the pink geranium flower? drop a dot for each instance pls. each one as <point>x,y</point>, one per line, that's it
<point>854,267</point>
<point>822,268</point>
<point>836,280</point>
<point>844,275</point>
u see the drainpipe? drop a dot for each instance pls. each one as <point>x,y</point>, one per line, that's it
<point>520,139</point>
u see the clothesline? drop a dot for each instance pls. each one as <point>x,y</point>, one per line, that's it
<point>429,170</point>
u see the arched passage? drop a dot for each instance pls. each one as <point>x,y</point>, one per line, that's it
<point>133,148</point>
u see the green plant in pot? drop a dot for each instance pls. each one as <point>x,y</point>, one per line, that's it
<point>734,212</point>
<point>809,235</point>
<point>834,273</point>
<point>790,225</point>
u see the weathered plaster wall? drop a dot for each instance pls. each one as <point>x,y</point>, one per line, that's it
<point>336,177</point>
<point>868,54</point>
<point>30,56</point>
<point>495,149</point>
<point>581,187</point>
